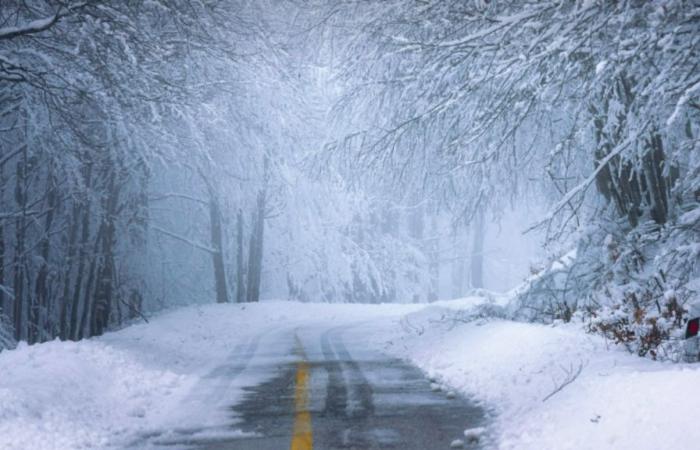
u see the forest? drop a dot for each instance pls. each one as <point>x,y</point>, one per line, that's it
<point>157,153</point>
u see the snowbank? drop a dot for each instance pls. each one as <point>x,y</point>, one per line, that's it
<point>78,395</point>
<point>100,392</point>
<point>528,375</point>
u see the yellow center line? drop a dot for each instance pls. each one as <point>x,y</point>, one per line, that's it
<point>302,437</point>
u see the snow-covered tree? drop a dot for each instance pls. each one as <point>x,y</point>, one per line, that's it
<point>590,105</point>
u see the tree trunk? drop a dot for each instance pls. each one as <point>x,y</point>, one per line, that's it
<point>217,255</point>
<point>255,249</point>
<point>477,257</point>
<point>74,225</point>
<point>416,223</point>
<point>240,267</point>
<point>4,303</point>
<point>83,255</point>
<point>39,331</point>
<point>458,268</point>
<point>634,185</point>
<point>19,263</point>
<point>87,304</point>
<point>255,253</point>
<point>433,245</point>
<point>104,289</point>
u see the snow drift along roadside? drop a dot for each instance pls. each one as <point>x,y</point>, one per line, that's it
<point>97,392</point>
<point>528,375</point>
<point>78,395</point>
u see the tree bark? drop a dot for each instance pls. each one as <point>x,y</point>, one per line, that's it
<point>477,257</point>
<point>217,244</point>
<point>104,289</point>
<point>4,304</point>
<point>433,245</point>
<point>458,268</point>
<point>255,249</point>
<point>19,263</point>
<point>38,327</point>
<point>240,266</point>
<point>87,304</point>
<point>74,225</point>
<point>634,186</point>
<point>83,255</point>
<point>256,241</point>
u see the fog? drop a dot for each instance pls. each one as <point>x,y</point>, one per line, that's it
<point>159,154</point>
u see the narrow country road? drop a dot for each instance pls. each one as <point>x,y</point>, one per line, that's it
<point>325,389</point>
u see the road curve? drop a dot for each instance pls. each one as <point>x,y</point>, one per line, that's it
<point>326,389</point>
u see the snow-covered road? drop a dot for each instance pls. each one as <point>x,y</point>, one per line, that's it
<point>284,375</point>
<point>204,376</point>
<point>354,397</point>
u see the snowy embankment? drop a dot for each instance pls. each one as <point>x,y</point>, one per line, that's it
<point>88,394</point>
<point>554,387</point>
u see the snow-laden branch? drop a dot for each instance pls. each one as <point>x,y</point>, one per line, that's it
<point>7,291</point>
<point>501,22</point>
<point>13,215</point>
<point>583,186</point>
<point>682,100</point>
<point>177,195</point>
<point>34,26</point>
<point>184,239</point>
<point>11,155</point>
<point>38,25</point>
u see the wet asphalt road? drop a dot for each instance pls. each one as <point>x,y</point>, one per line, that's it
<point>355,398</point>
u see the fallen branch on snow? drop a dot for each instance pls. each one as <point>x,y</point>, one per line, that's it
<point>571,375</point>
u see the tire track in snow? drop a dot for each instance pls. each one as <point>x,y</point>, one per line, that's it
<point>336,390</point>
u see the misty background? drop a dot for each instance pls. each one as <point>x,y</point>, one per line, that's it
<point>156,154</point>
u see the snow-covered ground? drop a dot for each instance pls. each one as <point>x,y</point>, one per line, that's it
<point>103,392</point>
<point>526,374</point>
